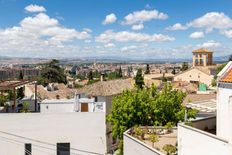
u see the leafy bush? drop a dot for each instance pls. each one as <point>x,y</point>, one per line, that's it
<point>154,138</point>
<point>146,107</point>
<point>26,107</point>
<point>169,149</point>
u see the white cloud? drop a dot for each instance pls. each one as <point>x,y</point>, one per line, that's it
<point>41,25</point>
<point>227,33</point>
<point>137,27</point>
<point>197,35</point>
<point>128,48</point>
<point>125,36</point>
<point>211,21</point>
<point>110,19</point>
<point>142,16</point>
<point>87,30</point>
<point>210,44</point>
<point>88,41</point>
<point>39,34</point>
<point>109,45</point>
<point>177,26</point>
<point>34,8</point>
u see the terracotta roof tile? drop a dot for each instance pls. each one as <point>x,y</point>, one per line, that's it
<point>107,88</point>
<point>202,50</point>
<point>227,77</point>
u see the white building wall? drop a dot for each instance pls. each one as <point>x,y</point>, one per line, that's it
<point>71,105</point>
<point>192,141</point>
<point>85,132</point>
<point>132,146</point>
<point>194,75</point>
<point>224,113</point>
<point>57,106</point>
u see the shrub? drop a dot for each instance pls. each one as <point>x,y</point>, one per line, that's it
<point>154,138</point>
<point>169,149</point>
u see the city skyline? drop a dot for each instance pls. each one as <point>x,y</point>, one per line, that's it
<point>137,30</point>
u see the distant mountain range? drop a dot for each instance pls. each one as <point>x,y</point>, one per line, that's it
<point>17,60</point>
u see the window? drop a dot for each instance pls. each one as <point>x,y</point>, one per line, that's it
<point>63,148</point>
<point>28,149</point>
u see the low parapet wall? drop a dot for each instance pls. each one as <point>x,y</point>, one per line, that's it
<point>193,141</point>
<point>133,146</point>
<point>208,123</point>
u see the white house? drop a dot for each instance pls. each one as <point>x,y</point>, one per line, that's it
<point>43,134</point>
<point>64,126</point>
<point>195,75</point>
<point>195,140</point>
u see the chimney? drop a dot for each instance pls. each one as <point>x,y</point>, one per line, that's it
<point>76,104</point>
<point>102,77</point>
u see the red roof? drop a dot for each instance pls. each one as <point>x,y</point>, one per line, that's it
<point>227,77</point>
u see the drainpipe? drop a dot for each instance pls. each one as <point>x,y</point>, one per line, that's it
<point>76,104</point>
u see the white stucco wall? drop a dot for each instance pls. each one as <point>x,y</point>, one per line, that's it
<point>194,75</point>
<point>192,141</point>
<point>203,123</point>
<point>224,113</point>
<point>70,105</point>
<point>57,106</point>
<point>84,131</point>
<point>132,146</point>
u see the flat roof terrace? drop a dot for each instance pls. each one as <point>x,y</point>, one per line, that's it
<point>165,136</point>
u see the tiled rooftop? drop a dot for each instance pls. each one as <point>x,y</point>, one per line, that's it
<point>202,50</point>
<point>227,77</point>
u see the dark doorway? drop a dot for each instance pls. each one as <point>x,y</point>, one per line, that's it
<point>63,148</point>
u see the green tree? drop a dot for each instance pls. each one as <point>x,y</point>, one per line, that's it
<point>147,71</point>
<point>169,149</point>
<point>10,95</point>
<point>52,72</point>
<point>96,74</point>
<point>218,69</point>
<point>139,81</point>
<point>120,72</point>
<point>185,66</point>
<point>90,76</point>
<point>21,76</point>
<point>214,82</point>
<point>113,75</point>
<point>3,100</point>
<point>146,107</point>
<point>26,107</point>
<point>174,71</point>
<point>230,58</point>
<point>20,91</point>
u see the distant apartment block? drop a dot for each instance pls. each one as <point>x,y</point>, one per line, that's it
<point>14,73</point>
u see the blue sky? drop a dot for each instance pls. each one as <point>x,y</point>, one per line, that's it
<point>138,29</point>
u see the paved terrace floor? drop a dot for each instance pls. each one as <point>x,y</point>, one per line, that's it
<point>164,138</point>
